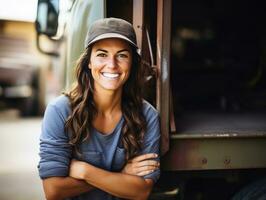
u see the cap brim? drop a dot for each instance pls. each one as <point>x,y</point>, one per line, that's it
<point>111,35</point>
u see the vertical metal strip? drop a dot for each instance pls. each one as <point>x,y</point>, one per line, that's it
<point>138,8</point>
<point>163,64</point>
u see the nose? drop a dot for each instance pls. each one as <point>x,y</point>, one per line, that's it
<point>111,62</point>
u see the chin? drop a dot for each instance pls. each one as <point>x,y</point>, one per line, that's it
<point>111,87</point>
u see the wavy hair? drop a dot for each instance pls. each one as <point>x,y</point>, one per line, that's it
<point>84,110</point>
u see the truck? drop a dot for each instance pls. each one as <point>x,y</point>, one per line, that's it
<point>23,69</point>
<point>205,65</point>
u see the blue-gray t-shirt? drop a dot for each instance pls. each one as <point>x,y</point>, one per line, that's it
<point>103,151</point>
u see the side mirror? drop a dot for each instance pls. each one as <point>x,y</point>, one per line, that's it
<point>47,23</point>
<point>51,22</point>
<point>47,17</point>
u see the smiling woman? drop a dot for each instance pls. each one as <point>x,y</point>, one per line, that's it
<point>102,135</point>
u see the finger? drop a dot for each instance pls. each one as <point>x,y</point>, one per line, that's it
<point>146,168</point>
<point>144,157</point>
<point>143,173</point>
<point>147,163</point>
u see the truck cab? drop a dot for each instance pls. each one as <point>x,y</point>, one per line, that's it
<point>205,73</point>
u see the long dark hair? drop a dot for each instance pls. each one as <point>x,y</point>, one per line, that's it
<point>84,110</point>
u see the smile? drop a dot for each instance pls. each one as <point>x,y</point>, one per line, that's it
<point>110,75</point>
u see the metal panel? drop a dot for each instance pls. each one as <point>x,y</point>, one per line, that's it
<point>138,8</point>
<point>163,66</point>
<point>215,153</point>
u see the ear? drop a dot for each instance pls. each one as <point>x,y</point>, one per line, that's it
<point>89,65</point>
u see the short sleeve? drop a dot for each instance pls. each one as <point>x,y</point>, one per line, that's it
<point>55,152</point>
<point>152,138</point>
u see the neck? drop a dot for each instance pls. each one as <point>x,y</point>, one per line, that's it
<point>108,102</point>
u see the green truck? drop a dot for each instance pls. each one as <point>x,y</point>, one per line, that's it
<point>206,74</point>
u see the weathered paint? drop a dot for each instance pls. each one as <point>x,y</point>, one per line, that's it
<point>163,68</point>
<point>138,9</point>
<point>215,153</point>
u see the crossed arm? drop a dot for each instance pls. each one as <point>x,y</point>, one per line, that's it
<point>54,147</point>
<point>84,177</point>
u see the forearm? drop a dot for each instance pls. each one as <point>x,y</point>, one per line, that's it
<point>58,188</point>
<point>118,184</point>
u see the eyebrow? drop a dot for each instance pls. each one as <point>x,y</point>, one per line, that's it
<point>117,52</point>
<point>123,50</point>
<point>101,50</point>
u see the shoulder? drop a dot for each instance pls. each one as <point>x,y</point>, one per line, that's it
<point>61,105</point>
<point>60,101</point>
<point>148,110</point>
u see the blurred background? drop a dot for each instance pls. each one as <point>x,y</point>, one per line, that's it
<point>27,82</point>
<point>35,67</point>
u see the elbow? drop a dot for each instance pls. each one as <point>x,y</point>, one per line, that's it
<point>51,197</point>
<point>144,195</point>
<point>51,192</point>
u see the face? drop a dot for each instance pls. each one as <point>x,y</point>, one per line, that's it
<point>110,64</point>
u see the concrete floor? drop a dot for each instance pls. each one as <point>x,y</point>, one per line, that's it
<point>19,143</point>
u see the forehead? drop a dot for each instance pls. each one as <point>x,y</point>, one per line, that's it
<point>112,44</point>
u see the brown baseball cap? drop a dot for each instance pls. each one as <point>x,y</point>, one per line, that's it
<point>111,28</point>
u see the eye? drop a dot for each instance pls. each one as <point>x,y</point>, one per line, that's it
<point>101,55</point>
<point>122,55</point>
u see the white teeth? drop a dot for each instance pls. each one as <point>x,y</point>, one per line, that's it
<point>110,75</point>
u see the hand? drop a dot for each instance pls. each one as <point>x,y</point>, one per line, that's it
<point>141,165</point>
<point>77,169</point>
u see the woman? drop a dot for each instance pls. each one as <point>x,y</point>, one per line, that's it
<point>101,140</point>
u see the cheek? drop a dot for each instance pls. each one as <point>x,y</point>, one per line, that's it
<point>97,61</point>
<point>128,68</point>
<point>95,66</point>
<point>127,74</point>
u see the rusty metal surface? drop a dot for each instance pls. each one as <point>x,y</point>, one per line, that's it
<point>214,125</point>
<point>218,153</point>
<point>162,58</point>
<point>163,67</point>
<point>138,8</point>
<point>206,141</point>
<point>219,134</point>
